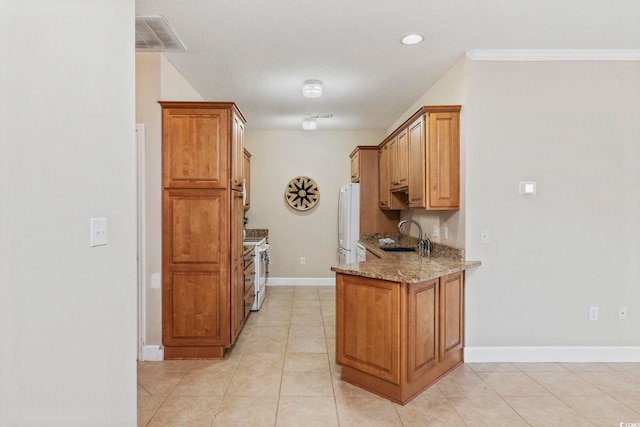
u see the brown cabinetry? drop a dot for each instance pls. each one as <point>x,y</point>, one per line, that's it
<point>247,179</point>
<point>201,228</point>
<point>396,339</point>
<point>398,155</point>
<point>390,198</point>
<point>249,293</point>
<point>355,166</point>
<point>384,180</point>
<point>364,159</point>
<point>423,163</point>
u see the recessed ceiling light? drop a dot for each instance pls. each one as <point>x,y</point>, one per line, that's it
<point>412,39</point>
<point>312,88</point>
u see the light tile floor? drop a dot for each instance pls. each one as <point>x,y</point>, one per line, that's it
<point>282,372</point>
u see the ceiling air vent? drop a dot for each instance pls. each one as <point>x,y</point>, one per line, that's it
<point>153,33</point>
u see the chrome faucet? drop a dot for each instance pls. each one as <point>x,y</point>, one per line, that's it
<point>423,247</point>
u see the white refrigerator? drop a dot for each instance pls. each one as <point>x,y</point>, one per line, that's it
<point>348,223</point>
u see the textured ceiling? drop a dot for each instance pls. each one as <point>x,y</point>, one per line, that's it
<point>257,53</point>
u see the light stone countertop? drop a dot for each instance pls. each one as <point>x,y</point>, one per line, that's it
<point>406,267</point>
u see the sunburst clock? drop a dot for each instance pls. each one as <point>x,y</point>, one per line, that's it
<point>302,193</point>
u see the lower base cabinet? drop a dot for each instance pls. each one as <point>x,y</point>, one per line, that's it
<point>396,339</point>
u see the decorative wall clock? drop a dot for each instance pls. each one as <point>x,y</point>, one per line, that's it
<point>302,193</point>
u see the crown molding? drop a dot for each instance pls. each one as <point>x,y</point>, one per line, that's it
<point>553,55</point>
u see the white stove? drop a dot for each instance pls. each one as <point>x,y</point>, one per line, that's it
<point>261,263</point>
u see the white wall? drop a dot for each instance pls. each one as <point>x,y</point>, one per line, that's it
<point>156,79</point>
<point>450,89</point>
<point>67,154</point>
<point>276,158</point>
<point>574,128</point>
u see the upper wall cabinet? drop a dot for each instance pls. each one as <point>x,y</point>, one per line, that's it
<point>423,167</point>
<point>196,145</point>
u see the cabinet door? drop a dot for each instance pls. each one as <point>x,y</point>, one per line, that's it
<point>401,178</point>
<point>237,153</point>
<point>451,314</point>
<point>384,180</point>
<point>246,170</point>
<point>422,334</point>
<point>417,163</point>
<point>393,164</point>
<point>195,268</point>
<point>355,167</point>
<point>237,265</point>
<point>368,326</point>
<point>444,161</point>
<point>195,148</point>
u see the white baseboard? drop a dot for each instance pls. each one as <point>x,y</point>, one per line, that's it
<point>301,281</point>
<point>551,354</point>
<point>152,353</point>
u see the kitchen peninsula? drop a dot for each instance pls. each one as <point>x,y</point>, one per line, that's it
<point>400,318</point>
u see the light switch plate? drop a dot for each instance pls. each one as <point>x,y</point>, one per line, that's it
<point>98,232</point>
<point>527,188</point>
<point>436,231</point>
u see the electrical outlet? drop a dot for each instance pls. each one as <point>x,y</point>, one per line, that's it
<point>303,261</point>
<point>484,236</point>
<point>593,313</point>
<point>98,232</point>
<point>445,231</point>
<point>436,231</point>
<point>622,312</point>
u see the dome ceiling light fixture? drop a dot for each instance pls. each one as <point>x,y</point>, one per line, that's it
<point>412,39</point>
<point>311,121</point>
<point>312,88</point>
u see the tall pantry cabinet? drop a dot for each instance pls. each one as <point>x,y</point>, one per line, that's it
<point>202,212</point>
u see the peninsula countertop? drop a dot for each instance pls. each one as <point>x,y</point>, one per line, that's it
<point>406,267</point>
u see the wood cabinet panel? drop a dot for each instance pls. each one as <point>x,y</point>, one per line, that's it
<point>368,321</point>
<point>417,164</point>
<point>246,170</point>
<point>444,161</point>
<point>202,220</point>
<point>375,220</point>
<point>451,314</point>
<point>422,337</point>
<point>237,153</point>
<point>195,226</point>
<point>191,296</point>
<point>237,265</point>
<point>194,148</point>
<point>400,166</point>
<point>195,293</point>
<point>385,179</point>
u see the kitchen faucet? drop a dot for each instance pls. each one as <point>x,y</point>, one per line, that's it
<point>421,243</point>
